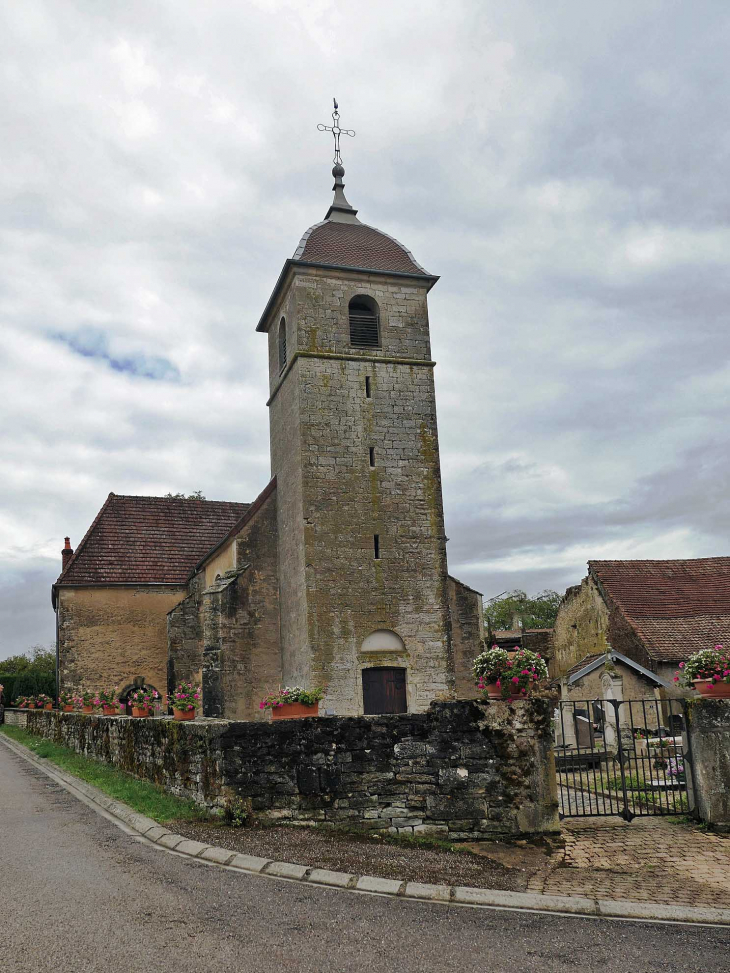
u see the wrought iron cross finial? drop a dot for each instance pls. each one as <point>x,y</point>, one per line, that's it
<point>336,132</point>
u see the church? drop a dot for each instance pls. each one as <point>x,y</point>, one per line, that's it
<point>336,574</point>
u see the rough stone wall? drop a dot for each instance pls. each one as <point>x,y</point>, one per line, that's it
<point>185,638</point>
<point>708,726</point>
<point>242,654</point>
<point>581,627</point>
<point>463,769</point>
<point>467,634</point>
<point>108,637</point>
<point>334,592</point>
<point>225,635</point>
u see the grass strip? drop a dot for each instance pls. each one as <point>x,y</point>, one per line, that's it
<point>146,798</point>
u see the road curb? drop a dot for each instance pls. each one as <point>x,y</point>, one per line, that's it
<point>369,884</point>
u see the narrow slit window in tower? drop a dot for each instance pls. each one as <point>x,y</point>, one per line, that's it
<point>372,457</point>
<point>282,345</point>
<point>368,391</point>
<point>376,546</point>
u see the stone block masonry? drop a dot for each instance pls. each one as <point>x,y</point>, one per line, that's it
<point>708,725</point>
<point>462,770</point>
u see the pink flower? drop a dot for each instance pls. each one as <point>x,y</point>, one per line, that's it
<point>499,684</point>
<point>515,678</point>
<point>676,678</point>
<point>681,665</point>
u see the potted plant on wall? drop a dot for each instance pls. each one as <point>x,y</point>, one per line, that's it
<point>292,703</point>
<point>88,701</point>
<point>142,701</point>
<point>501,675</point>
<point>66,702</point>
<point>44,702</point>
<point>185,701</point>
<point>109,702</point>
<point>707,671</point>
<point>21,702</point>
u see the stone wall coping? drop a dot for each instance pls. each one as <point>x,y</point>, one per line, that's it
<point>124,816</point>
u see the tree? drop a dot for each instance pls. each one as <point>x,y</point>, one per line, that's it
<point>197,495</point>
<point>514,608</point>
<point>37,660</point>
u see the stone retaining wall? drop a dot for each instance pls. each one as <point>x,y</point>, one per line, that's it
<point>463,769</point>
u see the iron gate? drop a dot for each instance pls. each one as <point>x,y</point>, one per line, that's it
<point>623,757</point>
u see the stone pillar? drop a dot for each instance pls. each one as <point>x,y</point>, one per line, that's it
<point>708,728</point>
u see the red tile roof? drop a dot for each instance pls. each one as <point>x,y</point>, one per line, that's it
<point>149,540</point>
<point>676,607</point>
<point>356,245</point>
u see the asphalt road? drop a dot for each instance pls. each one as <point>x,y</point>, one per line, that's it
<point>78,894</point>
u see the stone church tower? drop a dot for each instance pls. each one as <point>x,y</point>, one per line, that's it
<point>354,449</point>
<point>335,575</point>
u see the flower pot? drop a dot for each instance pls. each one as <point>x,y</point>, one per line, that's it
<point>713,690</point>
<point>88,709</point>
<point>110,710</point>
<point>67,708</point>
<point>294,711</point>
<point>183,714</point>
<point>48,706</point>
<point>140,712</point>
<point>493,691</point>
<point>31,705</point>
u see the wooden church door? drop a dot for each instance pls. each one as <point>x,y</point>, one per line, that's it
<point>384,690</point>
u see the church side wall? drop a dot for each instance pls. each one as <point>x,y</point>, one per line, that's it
<point>108,637</point>
<point>467,634</point>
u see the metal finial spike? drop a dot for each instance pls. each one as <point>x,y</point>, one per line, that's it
<point>336,132</point>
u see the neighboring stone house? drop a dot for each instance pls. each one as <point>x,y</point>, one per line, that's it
<point>535,639</point>
<point>337,574</point>
<point>655,613</point>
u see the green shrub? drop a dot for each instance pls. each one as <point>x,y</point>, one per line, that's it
<point>31,684</point>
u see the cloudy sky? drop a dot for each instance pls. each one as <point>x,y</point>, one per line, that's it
<point>562,166</point>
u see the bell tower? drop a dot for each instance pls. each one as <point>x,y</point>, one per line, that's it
<point>354,448</point>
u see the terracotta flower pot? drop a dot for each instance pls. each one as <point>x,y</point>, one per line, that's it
<point>140,711</point>
<point>493,691</point>
<point>88,709</point>
<point>67,708</point>
<point>48,706</point>
<point>713,690</point>
<point>294,711</point>
<point>183,714</point>
<point>31,705</point>
<point>110,710</point>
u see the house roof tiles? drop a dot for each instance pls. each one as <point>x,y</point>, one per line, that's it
<point>675,606</point>
<point>149,540</point>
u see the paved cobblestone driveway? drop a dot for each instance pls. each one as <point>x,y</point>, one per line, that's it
<point>651,859</point>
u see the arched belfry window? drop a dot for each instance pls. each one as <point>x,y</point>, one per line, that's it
<point>364,322</point>
<point>282,345</point>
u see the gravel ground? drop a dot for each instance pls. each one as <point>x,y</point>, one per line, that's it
<point>486,865</point>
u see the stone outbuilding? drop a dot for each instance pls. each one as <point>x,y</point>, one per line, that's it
<point>336,575</point>
<point>654,613</point>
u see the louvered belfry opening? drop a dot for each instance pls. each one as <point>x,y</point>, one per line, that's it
<point>282,345</point>
<point>364,324</point>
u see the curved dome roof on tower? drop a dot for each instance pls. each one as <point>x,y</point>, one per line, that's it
<point>355,245</point>
<point>342,241</point>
